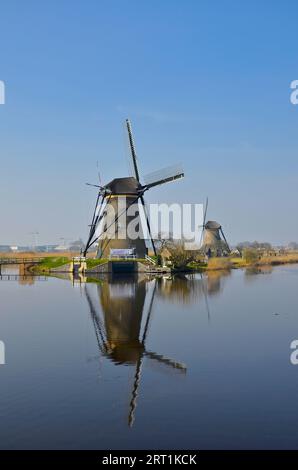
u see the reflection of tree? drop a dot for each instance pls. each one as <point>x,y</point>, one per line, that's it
<point>252,272</point>
<point>187,289</point>
<point>180,288</point>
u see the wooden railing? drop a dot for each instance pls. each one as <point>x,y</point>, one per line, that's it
<point>150,260</point>
<point>20,260</point>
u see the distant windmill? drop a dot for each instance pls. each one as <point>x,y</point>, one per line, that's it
<point>213,240</point>
<point>106,224</point>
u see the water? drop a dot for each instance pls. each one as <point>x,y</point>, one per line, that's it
<point>192,362</point>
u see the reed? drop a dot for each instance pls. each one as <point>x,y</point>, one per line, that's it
<point>219,263</point>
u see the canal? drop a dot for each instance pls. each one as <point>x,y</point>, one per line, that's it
<point>195,361</point>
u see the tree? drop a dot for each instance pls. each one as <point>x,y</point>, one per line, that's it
<point>250,255</point>
<point>179,256</point>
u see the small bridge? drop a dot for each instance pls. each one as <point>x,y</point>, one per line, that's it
<point>21,262</point>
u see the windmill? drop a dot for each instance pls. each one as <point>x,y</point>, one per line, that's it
<point>112,212</point>
<point>213,241</point>
<point>122,332</point>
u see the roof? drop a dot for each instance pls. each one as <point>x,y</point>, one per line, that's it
<point>212,225</point>
<point>128,185</point>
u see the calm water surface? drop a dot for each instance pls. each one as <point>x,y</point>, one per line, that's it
<point>128,363</point>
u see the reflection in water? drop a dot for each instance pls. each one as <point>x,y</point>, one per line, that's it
<point>215,280</point>
<point>17,273</point>
<point>252,271</point>
<point>122,332</point>
<point>189,288</point>
<point>122,310</point>
<point>22,280</point>
<point>51,397</point>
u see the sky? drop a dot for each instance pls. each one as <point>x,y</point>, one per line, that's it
<point>205,84</point>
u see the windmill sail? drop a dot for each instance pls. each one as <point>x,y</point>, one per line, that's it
<point>133,151</point>
<point>165,175</point>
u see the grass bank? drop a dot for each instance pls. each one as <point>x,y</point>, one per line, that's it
<point>50,262</point>
<point>215,264</point>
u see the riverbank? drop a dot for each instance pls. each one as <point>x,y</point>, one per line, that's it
<point>215,264</point>
<point>51,262</point>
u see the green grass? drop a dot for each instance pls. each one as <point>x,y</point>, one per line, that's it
<point>141,260</point>
<point>52,262</point>
<point>197,265</point>
<point>93,262</point>
<point>93,280</point>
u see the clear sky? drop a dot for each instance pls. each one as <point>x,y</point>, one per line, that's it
<point>204,83</point>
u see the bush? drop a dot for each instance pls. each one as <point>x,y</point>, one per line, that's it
<point>250,255</point>
<point>179,256</point>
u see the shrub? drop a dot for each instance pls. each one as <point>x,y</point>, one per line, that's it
<point>250,255</point>
<point>179,256</point>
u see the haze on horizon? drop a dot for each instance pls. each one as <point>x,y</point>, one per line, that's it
<point>204,84</point>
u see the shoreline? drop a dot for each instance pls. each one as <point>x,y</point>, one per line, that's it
<point>52,263</point>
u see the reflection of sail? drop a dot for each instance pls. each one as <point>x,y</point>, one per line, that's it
<point>119,335</point>
<point>206,298</point>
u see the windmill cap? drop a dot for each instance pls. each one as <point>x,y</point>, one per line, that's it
<point>212,225</point>
<point>128,185</point>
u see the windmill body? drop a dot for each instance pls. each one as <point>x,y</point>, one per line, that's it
<point>213,241</point>
<point>121,195</point>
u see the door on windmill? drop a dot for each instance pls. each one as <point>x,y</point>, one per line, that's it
<point>123,253</point>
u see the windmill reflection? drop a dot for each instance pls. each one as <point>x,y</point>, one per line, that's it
<point>123,326</point>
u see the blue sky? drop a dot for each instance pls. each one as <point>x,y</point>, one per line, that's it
<point>204,83</point>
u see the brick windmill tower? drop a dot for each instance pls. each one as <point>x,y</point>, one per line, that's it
<point>213,241</point>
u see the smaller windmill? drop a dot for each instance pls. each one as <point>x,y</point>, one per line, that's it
<point>213,241</point>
